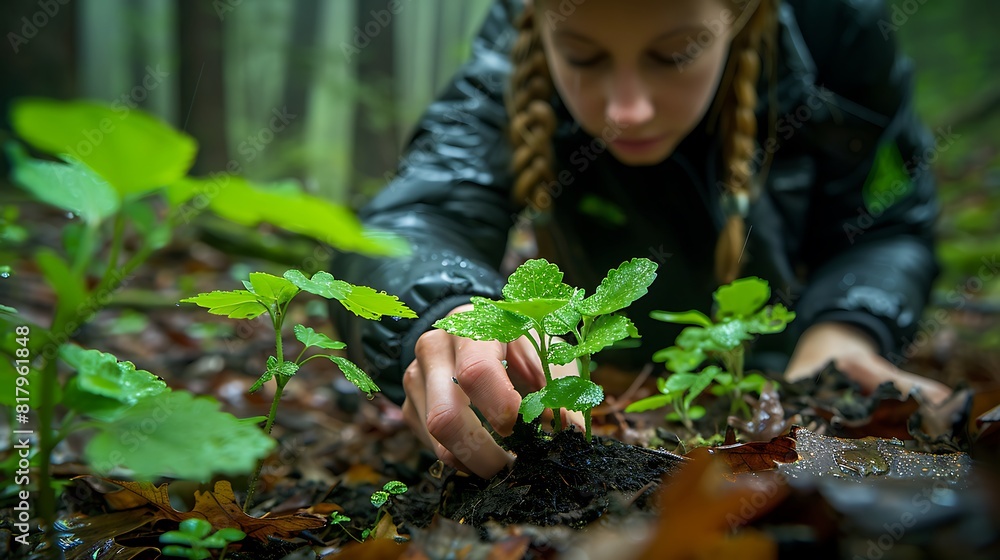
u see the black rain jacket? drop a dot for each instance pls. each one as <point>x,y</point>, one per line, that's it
<point>845,126</point>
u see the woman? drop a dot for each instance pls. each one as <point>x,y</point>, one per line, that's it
<point>722,138</point>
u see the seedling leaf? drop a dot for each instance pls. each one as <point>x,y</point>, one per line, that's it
<point>620,288</point>
<point>566,318</point>
<point>679,382</point>
<point>102,374</point>
<point>536,278</point>
<point>606,331</point>
<point>703,380</point>
<point>486,321</point>
<point>379,498</point>
<point>536,308</point>
<point>395,487</point>
<point>680,360</point>
<point>370,304</point>
<point>270,288</point>
<point>572,393</point>
<point>693,317</point>
<point>310,338</point>
<point>531,406</point>
<point>650,403</point>
<point>322,284</point>
<point>355,375</point>
<point>772,319</point>
<point>236,304</point>
<point>742,297</point>
<point>284,369</point>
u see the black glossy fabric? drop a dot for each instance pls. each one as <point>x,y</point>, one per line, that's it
<point>843,93</point>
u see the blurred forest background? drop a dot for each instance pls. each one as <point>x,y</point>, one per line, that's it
<point>352,77</point>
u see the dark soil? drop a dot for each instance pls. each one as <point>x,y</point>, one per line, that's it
<point>560,479</point>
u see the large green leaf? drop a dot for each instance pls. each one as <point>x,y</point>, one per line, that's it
<point>175,434</point>
<point>286,206</point>
<point>606,331</point>
<point>620,288</point>
<point>355,375</point>
<point>486,321</point>
<point>310,338</point>
<point>237,304</point>
<point>536,278</point>
<point>565,319</point>
<point>133,150</point>
<point>572,393</point>
<point>772,319</point>
<point>71,186</point>
<point>741,298</point>
<point>322,284</point>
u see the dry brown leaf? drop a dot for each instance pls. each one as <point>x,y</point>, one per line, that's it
<point>700,509</point>
<point>756,455</point>
<point>380,549</point>
<point>218,508</point>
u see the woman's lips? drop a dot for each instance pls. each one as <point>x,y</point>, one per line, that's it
<point>637,145</point>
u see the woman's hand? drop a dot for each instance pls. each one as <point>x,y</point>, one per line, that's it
<point>855,354</point>
<point>451,373</point>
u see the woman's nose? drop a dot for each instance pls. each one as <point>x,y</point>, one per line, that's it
<point>629,101</point>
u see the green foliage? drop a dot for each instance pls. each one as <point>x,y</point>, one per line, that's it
<point>266,293</point>
<point>192,539</point>
<point>740,314</point>
<point>539,306</point>
<point>179,435</point>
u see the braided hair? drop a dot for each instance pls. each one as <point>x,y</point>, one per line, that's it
<point>533,120</point>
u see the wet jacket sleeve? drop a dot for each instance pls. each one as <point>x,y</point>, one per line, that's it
<point>870,243</point>
<point>450,199</point>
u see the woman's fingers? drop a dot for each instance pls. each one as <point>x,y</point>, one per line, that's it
<point>414,412</point>
<point>871,370</point>
<point>481,374</point>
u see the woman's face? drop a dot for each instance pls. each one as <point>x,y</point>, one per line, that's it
<point>639,73</point>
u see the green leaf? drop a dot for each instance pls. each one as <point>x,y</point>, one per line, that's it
<point>322,284</point>
<point>230,534</point>
<point>284,369</point>
<point>720,337</point>
<point>196,527</point>
<point>337,518</point>
<point>379,498</point>
<point>102,374</point>
<point>693,317</point>
<point>361,300</point>
<point>741,298</point>
<point>536,308</point>
<point>70,287</point>
<point>486,321</point>
<point>285,205</point>
<point>7,310</point>
<point>572,393</point>
<point>175,434</point>
<point>606,331</point>
<point>355,375</point>
<point>367,303</point>
<point>531,405</point>
<point>754,382</point>
<point>888,181</point>
<point>696,412</point>
<point>236,304</point>
<point>650,403</point>
<point>71,186</point>
<point>155,232</point>
<point>678,382</point>
<point>311,338</point>
<point>395,487</point>
<point>680,360</point>
<point>565,319</point>
<point>620,288</point>
<point>272,288</point>
<point>133,150</point>
<point>536,279</point>
<point>772,319</point>
<point>264,378</point>
<point>700,384</point>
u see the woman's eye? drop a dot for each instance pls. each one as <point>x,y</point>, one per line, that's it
<point>584,62</point>
<point>671,60</point>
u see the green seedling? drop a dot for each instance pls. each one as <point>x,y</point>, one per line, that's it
<point>192,539</point>
<point>266,293</point>
<point>379,499</point>
<point>740,315</point>
<point>537,304</point>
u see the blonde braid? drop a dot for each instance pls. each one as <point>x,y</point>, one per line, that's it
<point>738,124</point>
<point>533,120</point>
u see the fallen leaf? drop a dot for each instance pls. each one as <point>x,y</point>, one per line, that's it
<point>767,420</point>
<point>756,455</point>
<point>219,508</point>
<point>94,537</point>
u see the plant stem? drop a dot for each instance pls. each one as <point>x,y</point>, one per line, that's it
<point>585,373</point>
<point>277,317</point>
<point>543,354</point>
